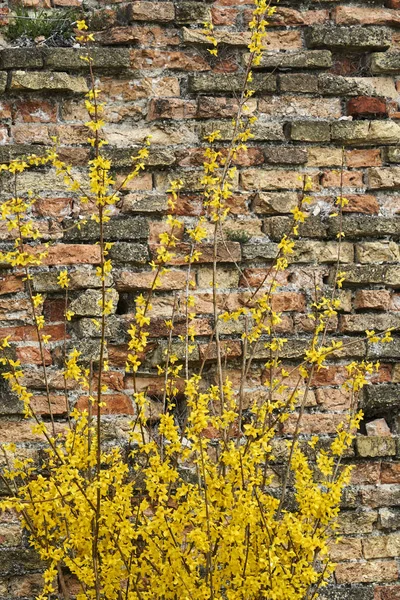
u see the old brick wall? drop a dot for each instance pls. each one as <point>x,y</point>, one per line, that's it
<point>330,80</point>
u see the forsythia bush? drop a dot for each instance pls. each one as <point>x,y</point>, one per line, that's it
<point>182,517</point>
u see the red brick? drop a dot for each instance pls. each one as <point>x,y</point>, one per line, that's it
<point>4,11</point>
<point>255,277</point>
<point>157,59</point>
<point>53,310</point>
<point>229,349</point>
<point>40,405</point>
<point>391,592</point>
<point>29,355</point>
<point>363,158</point>
<point>348,178</point>
<point>72,254</point>
<point>4,139</point>
<point>21,431</point>
<point>223,16</point>
<point>362,203</point>
<point>393,3</point>
<point>9,284</point>
<point>390,472</point>
<point>333,398</point>
<point>53,207</point>
<point>35,111</point>
<point>27,333</point>
<point>5,107</point>
<point>142,35</point>
<point>115,404</point>
<point>171,108</point>
<point>365,473</point>
<point>351,15</point>
<point>313,423</point>
<point>288,301</point>
<point>126,281</point>
<point>378,299</point>
<point>363,105</point>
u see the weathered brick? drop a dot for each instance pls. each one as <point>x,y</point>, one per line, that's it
<point>116,229</point>
<point>285,155</point>
<point>228,83</point>
<point>358,522</point>
<point>352,15</point>
<point>275,202</point>
<point>302,59</point>
<point>365,133</point>
<point>375,446</point>
<point>367,572</point>
<point>351,38</point>
<point>88,303</point>
<point>372,299</point>
<point>270,180</point>
<point>300,106</point>
<point>21,58</point>
<point>34,81</point>
<point>60,59</point>
<point>266,130</point>
<point>192,12</point>
<point>297,82</point>
<point>149,58</point>
<point>390,472</point>
<point>310,131</point>
<point>384,178</point>
<point>377,252</point>
<point>355,226</point>
<point>363,158</point>
<point>149,11</point>
<point>364,105</point>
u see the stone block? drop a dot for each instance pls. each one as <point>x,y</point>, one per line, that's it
<point>365,133</point>
<point>65,59</point>
<point>350,38</point>
<point>372,447</point>
<point>385,62</point>
<point>302,59</point>
<point>129,252</point>
<point>40,81</point>
<point>230,84</point>
<point>310,131</point>
<point>129,228</point>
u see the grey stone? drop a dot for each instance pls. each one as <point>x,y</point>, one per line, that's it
<point>216,82</point>
<point>336,85</point>
<point>301,59</point>
<point>3,81</point>
<point>267,251</point>
<point>80,279</point>
<point>266,130</point>
<point>365,133</point>
<point>192,12</point>
<point>350,38</point>
<point>114,330</point>
<point>298,82</point>
<point>62,59</point>
<point>371,447</point>
<point>365,274</point>
<point>310,131</point>
<point>340,592</point>
<point>158,157</point>
<point>380,398</point>
<point>285,155</point>
<point>88,304</point>
<point>17,562</point>
<point>355,226</point>
<point>129,228</point>
<point>389,518</point>
<point>277,227</point>
<point>21,58</point>
<point>130,252</point>
<point>385,62</point>
<point>393,155</point>
<point>387,352</point>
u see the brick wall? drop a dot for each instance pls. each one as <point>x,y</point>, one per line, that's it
<point>327,91</point>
